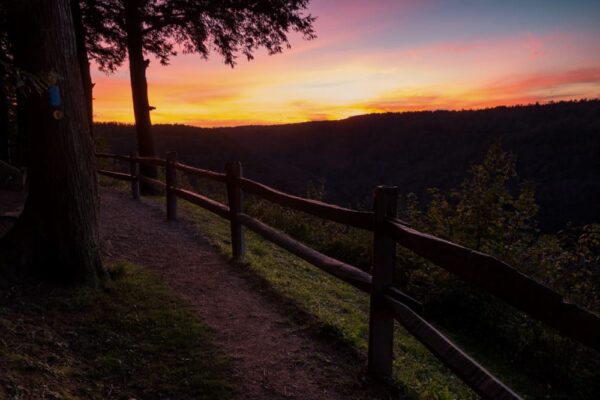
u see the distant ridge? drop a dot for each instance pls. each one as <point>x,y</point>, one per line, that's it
<point>557,145</point>
<point>374,114</point>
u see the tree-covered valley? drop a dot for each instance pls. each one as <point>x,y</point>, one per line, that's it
<point>557,147</point>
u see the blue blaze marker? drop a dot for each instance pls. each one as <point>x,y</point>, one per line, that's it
<point>54,93</point>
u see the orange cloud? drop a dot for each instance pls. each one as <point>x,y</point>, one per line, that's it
<point>511,90</point>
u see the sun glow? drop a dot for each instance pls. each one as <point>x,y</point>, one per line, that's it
<point>387,61</point>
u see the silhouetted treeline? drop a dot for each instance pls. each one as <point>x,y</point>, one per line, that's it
<point>557,146</point>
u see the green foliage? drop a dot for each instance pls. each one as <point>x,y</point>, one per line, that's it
<point>494,213</point>
<point>133,340</point>
<point>483,213</point>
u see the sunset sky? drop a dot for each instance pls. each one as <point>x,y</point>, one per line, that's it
<point>383,55</point>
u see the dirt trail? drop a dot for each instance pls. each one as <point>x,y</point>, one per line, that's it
<point>272,357</point>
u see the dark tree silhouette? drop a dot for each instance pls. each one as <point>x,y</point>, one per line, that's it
<point>137,28</point>
<point>56,236</point>
<point>5,125</point>
<point>5,106</point>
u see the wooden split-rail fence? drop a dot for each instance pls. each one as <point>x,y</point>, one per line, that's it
<point>386,302</point>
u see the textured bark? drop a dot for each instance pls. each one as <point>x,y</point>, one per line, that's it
<point>84,63</point>
<point>22,120</point>
<point>56,236</point>
<point>139,88</point>
<point>4,118</point>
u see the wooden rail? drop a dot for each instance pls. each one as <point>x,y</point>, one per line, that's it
<point>157,162</point>
<point>202,173</point>
<point>387,303</point>
<point>503,281</point>
<point>113,156</point>
<point>116,175</point>
<point>211,205</point>
<point>349,274</point>
<point>478,378</point>
<point>357,219</point>
<point>154,182</point>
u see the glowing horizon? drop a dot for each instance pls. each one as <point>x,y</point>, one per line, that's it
<point>383,56</point>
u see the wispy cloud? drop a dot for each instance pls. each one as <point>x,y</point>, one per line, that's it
<point>544,81</point>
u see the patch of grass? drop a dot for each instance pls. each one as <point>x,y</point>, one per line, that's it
<point>131,340</point>
<point>337,307</point>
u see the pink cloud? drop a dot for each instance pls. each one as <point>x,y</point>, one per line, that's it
<point>536,47</point>
<point>527,83</point>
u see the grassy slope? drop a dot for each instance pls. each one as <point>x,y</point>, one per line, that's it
<point>133,340</point>
<point>337,307</point>
<point>343,311</point>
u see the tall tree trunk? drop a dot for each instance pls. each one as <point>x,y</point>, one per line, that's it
<point>21,119</point>
<point>56,236</point>
<point>5,126</point>
<point>139,87</point>
<point>84,63</point>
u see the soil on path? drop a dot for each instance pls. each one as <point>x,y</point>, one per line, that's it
<point>272,356</point>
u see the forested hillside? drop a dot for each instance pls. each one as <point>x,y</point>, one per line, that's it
<point>557,147</point>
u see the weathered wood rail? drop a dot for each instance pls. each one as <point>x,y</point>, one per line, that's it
<point>387,303</point>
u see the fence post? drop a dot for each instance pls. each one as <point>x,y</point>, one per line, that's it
<point>235,199</point>
<point>171,183</point>
<point>134,171</point>
<point>381,321</point>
